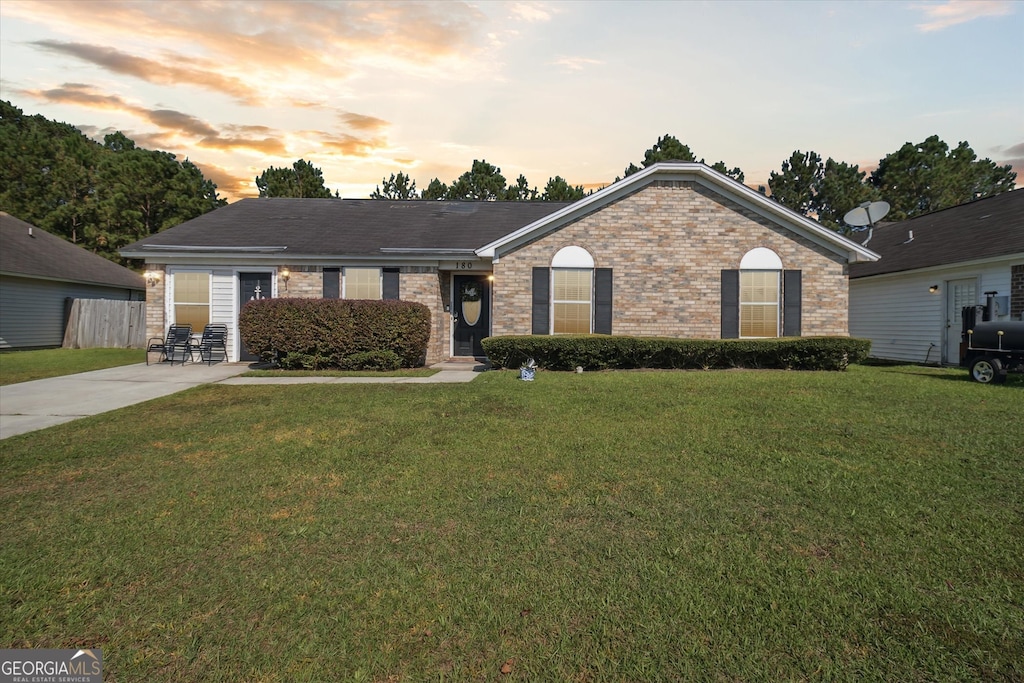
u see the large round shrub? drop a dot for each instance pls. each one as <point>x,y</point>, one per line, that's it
<point>316,334</point>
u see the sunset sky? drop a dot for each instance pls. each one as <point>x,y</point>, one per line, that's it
<point>577,89</point>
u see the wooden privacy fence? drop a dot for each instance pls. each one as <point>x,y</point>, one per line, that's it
<point>105,323</point>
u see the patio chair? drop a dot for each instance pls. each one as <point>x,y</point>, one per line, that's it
<point>178,338</point>
<point>215,338</point>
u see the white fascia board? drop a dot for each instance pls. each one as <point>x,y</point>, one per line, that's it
<point>688,172</point>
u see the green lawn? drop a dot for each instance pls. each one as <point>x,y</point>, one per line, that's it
<point>734,526</point>
<point>22,366</point>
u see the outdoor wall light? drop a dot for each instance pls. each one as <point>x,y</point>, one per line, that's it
<point>284,275</point>
<point>933,289</point>
<point>153,277</point>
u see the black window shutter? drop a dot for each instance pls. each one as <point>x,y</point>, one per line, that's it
<point>541,300</point>
<point>730,304</point>
<point>391,277</point>
<point>332,283</point>
<point>603,300</point>
<point>791,294</point>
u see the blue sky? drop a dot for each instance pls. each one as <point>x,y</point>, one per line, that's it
<point>577,89</point>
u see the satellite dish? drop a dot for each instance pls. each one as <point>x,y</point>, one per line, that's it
<point>866,215</point>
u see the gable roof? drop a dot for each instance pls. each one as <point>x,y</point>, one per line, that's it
<point>982,229</point>
<point>700,174</point>
<point>342,227</point>
<point>28,251</point>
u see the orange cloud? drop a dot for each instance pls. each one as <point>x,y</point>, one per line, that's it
<point>148,140</point>
<point>277,44</point>
<point>183,123</point>
<point>229,185</point>
<point>81,95</point>
<point>363,122</point>
<point>84,95</point>
<point>1014,157</point>
<point>349,145</point>
<point>266,145</point>
<point>257,138</point>
<point>153,71</point>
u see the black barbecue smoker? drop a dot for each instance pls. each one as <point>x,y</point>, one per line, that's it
<point>990,349</point>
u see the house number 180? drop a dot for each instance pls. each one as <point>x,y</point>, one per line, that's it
<point>463,265</point>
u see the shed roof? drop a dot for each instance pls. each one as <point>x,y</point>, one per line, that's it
<point>982,229</point>
<point>29,251</point>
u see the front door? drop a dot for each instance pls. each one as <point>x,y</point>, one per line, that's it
<point>471,314</point>
<point>959,293</point>
<point>251,286</point>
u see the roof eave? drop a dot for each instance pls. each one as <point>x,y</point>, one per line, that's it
<point>140,285</point>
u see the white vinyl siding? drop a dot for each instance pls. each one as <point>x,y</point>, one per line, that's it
<point>223,303</point>
<point>906,322</point>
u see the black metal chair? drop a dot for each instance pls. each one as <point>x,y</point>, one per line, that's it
<point>178,338</point>
<point>215,338</point>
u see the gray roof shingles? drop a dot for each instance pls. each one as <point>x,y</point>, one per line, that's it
<point>29,251</point>
<point>334,227</point>
<point>985,228</point>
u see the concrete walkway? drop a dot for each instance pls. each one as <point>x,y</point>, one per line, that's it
<point>29,406</point>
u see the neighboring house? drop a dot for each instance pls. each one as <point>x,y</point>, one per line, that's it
<point>674,250</point>
<point>40,272</point>
<point>908,302</point>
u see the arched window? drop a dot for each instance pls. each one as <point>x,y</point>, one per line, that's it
<point>572,287</point>
<point>759,293</point>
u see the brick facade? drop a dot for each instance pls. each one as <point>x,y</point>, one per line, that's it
<point>302,284</point>
<point>429,289</point>
<point>667,244</point>
<point>1017,292</point>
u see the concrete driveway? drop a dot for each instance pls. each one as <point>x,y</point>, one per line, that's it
<point>29,406</point>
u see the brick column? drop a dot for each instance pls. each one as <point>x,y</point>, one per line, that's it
<point>1017,292</point>
<point>156,325</point>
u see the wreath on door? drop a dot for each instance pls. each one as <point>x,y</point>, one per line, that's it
<point>470,291</point>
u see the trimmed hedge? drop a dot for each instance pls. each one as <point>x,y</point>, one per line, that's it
<point>316,334</point>
<point>600,352</point>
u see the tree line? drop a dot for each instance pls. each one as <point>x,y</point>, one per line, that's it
<point>105,196</point>
<point>915,179</point>
<point>100,196</point>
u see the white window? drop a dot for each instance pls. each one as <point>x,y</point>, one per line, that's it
<point>192,299</point>
<point>362,283</point>
<point>759,293</point>
<point>572,291</point>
